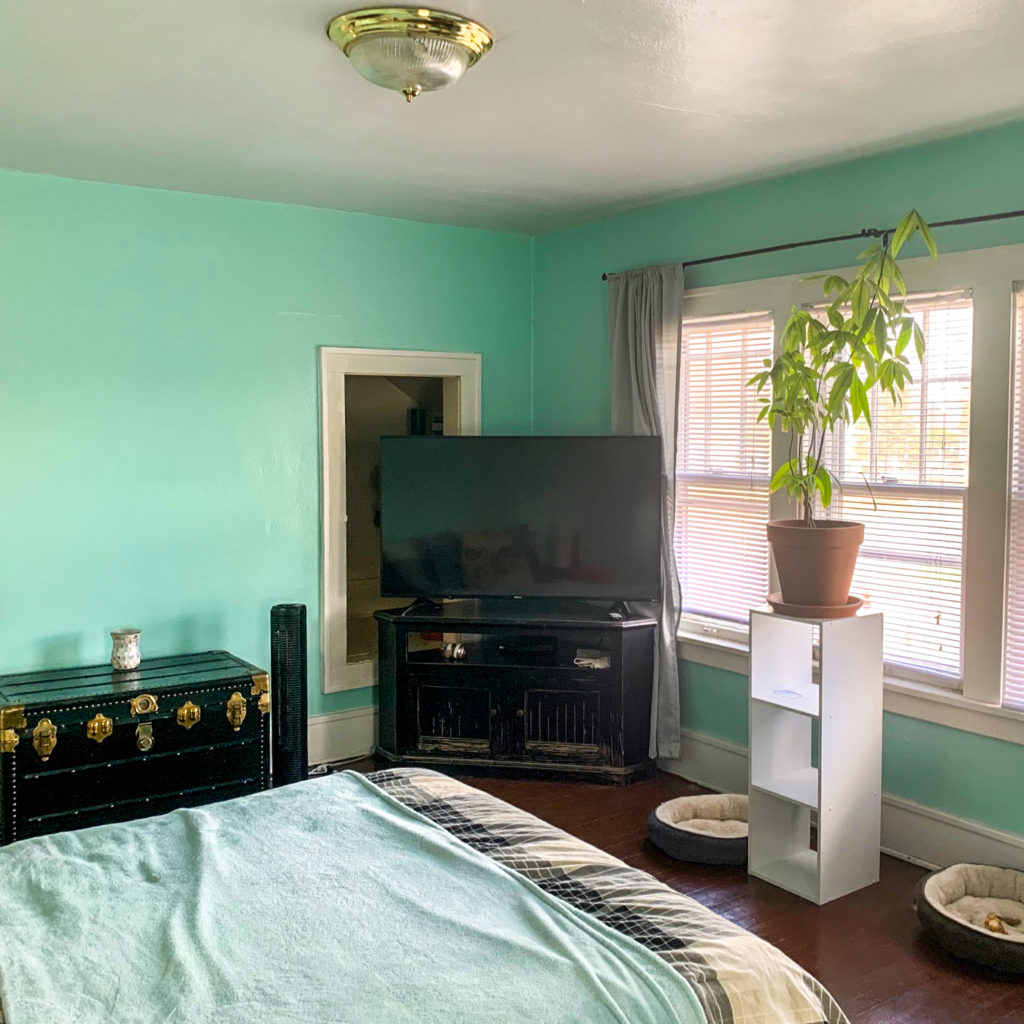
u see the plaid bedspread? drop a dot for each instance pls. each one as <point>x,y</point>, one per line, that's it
<point>738,978</point>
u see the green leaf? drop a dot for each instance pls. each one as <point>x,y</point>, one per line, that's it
<point>861,301</point>
<point>859,400</point>
<point>904,232</point>
<point>918,341</point>
<point>929,238</point>
<point>823,481</point>
<point>835,283</point>
<point>784,475</point>
<point>905,334</point>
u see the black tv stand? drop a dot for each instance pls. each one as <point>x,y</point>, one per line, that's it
<point>619,612</point>
<point>423,606</point>
<point>543,688</point>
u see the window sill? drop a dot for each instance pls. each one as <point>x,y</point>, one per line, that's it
<point>902,697</point>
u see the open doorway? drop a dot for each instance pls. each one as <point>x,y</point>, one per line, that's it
<point>365,395</point>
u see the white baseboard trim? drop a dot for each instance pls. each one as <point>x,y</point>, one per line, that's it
<point>342,735</point>
<point>933,838</point>
<point>709,761</point>
<point>910,831</point>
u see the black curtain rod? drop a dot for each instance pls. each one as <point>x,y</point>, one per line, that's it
<point>863,233</point>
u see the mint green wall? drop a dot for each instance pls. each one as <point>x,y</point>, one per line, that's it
<point>159,401</point>
<point>974,174</point>
<point>158,393</point>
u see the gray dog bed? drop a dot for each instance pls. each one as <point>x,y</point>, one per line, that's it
<point>709,829</point>
<point>976,912</point>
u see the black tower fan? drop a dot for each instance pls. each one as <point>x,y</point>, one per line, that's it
<point>288,693</point>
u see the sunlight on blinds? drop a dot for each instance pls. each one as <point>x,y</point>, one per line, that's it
<point>1013,687</point>
<point>723,467</point>
<point>911,566</point>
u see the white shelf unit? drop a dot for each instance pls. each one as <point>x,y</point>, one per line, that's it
<point>843,792</point>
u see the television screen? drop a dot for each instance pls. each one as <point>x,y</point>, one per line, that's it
<point>559,517</point>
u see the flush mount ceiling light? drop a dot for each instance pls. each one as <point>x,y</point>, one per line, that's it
<point>409,49</point>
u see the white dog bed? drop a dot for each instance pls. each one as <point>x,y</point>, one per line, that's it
<point>708,829</point>
<point>976,912</point>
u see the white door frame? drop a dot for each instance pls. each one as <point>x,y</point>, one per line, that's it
<point>335,364</point>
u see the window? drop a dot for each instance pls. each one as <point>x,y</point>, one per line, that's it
<point>906,480</point>
<point>1013,696</point>
<point>723,466</point>
<point>943,554</point>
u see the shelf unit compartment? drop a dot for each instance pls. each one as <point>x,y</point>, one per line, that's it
<point>780,754</point>
<point>780,845</point>
<point>799,787</point>
<point>585,652</point>
<point>782,663</point>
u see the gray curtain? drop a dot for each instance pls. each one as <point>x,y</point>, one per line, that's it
<point>646,320</point>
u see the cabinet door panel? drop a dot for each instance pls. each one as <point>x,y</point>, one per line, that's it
<point>454,719</point>
<point>564,723</point>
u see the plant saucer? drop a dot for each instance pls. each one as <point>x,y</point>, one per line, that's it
<point>810,611</point>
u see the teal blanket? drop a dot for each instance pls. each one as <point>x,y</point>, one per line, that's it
<point>319,903</point>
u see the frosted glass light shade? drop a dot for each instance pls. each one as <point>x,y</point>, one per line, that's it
<point>409,63</point>
<point>409,49</point>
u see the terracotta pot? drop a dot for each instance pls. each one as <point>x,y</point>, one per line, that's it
<point>815,563</point>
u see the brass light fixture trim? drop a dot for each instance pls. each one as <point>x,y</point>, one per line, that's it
<point>353,26</point>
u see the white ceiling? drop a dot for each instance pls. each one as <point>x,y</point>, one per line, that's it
<point>582,107</point>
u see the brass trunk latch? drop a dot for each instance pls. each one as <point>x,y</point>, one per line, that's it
<point>189,714</point>
<point>44,738</point>
<point>236,710</point>
<point>11,719</point>
<point>99,727</point>
<point>144,737</point>
<point>144,704</point>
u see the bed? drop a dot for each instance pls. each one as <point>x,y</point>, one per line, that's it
<point>401,896</point>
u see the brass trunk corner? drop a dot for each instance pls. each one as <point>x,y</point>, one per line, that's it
<point>12,718</point>
<point>260,683</point>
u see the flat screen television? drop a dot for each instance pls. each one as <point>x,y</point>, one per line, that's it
<point>549,517</point>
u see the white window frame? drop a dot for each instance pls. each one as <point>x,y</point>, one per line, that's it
<point>990,275</point>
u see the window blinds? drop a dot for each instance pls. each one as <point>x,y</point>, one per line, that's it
<point>1013,686</point>
<point>723,467</point>
<point>906,480</point>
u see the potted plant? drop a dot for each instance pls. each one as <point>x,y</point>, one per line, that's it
<point>828,365</point>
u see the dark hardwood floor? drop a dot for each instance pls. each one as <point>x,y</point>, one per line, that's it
<point>866,948</point>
